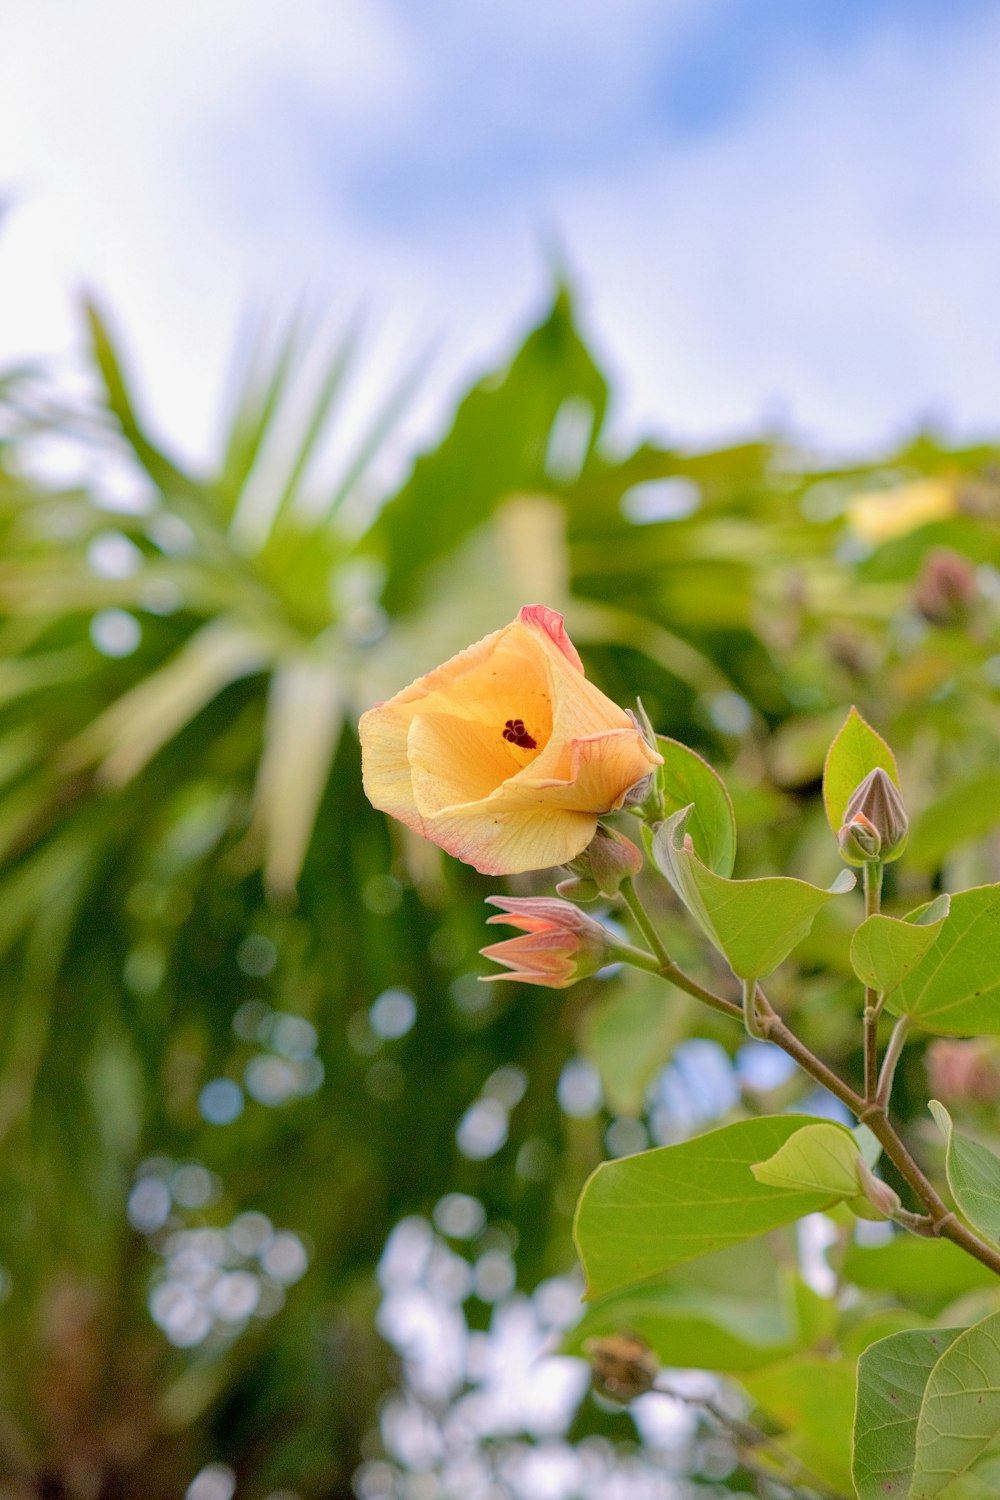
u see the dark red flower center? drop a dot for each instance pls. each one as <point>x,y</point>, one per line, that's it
<point>515,732</point>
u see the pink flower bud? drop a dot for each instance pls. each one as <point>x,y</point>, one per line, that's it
<point>859,840</point>
<point>875,821</point>
<point>560,944</point>
<point>879,1199</point>
<point>946,587</point>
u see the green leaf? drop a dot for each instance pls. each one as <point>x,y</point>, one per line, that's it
<point>630,1034</point>
<point>885,949</point>
<point>928,1273</point>
<point>816,1159</point>
<point>512,417</point>
<point>892,1378</point>
<point>960,1413</point>
<point>158,466</point>
<point>968,811</point>
<point>685,780</point>
<point>305,713</point>
<point>644,1214</point>
<point>955,988</point>
<point>858,1333</point>
<point>688,1328</point>
<point>973,1175</point>
<point>753,923</point>
<point>813,1400</point>
<point>855,751</point>
<point>137,725</point>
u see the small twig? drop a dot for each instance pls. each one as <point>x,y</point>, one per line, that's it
<point>645,923</point>
<point>942,1221</point>
<point>751,1020</point>
<point>893,1052</point>
<point>873,902</point>
<point>746,1436</point>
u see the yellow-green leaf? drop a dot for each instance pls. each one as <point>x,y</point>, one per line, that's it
<point>855,751</point>
<point>885,949</point>
<point>642,1215</point>
<point>753,923</point>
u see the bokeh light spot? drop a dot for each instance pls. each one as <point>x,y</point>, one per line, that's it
<point>115,633</point>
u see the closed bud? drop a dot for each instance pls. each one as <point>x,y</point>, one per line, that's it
<point>946,588</point>
<point>577,888</point>
<point>879,1200</point>
<point>859,841</point>
<point>558,944</point>
<point>875,822</point>
<point>608,859</point>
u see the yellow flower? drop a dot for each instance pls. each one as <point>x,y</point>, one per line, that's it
<point>877,516</point>
<point>506,755</point>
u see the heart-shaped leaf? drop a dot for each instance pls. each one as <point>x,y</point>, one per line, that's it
<point>973,1175</point>
<point>885,949</point>
<point>753,923</point>
<point>892,1378</point>
<point>685,780</point>
<point>855,751</point>
<point>642,1215</point>
<point>955,988</point>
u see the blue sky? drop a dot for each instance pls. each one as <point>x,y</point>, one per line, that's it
<point>771,207</point>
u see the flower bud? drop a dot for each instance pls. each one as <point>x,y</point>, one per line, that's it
<point>875,821</point>
<point>577,888</point>
<point>946,588</point>
<point>559,944</point>
<point>608,859</point>
<point>879,1200</point>
<point>859,840</point>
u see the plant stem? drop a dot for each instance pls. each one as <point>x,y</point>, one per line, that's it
<point>873,901</point>
<point>941,1221</point>
<point>639,959</point>
<point>644,922</point>
<point>746,1437</point>
<point>893,1052</point>
<point>750,1018</point>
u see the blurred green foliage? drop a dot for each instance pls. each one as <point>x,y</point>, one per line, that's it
<point>184,835</point>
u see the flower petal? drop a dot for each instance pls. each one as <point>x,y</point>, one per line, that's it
<point>550,623</point>
<point>595,775</point>
<point>506,840</point>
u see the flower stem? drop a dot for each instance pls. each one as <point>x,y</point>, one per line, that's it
<point>940,1221</point>
<point>644,921</point>
<point>873,902</point>
<point>893,1052</point>
<point>750,1018</point>
<point>659,961</point>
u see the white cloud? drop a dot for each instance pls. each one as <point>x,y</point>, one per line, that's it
<point>834,249</point>
<point>839,253</point>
